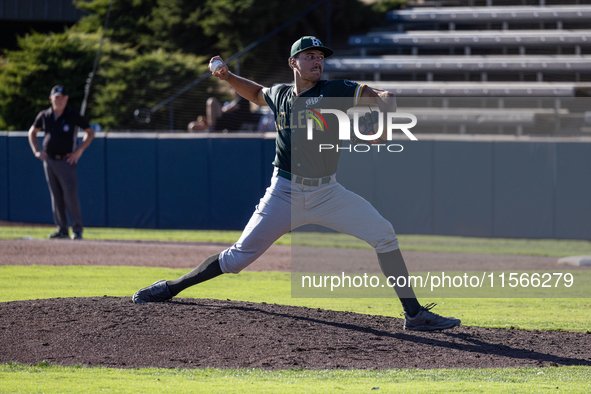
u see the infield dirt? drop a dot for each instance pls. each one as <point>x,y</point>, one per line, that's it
<point>197,333</point>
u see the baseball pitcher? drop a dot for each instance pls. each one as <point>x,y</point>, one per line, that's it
<point>303,187</point>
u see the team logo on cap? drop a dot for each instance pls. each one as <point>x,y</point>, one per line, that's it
<point>316,42</point>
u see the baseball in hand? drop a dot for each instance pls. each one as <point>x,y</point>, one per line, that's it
<point>215,65</point>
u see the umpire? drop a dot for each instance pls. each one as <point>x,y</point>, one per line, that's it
<point>60,155</point>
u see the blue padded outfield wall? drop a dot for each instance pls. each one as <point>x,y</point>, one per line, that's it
<point>468,186</point>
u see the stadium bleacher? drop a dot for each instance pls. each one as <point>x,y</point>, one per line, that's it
<point>512,69</point>
<point>504,15</point>
<point>436,55</point>
<point>484,89</point>
<point>470,40</point>
<point>459,64</point>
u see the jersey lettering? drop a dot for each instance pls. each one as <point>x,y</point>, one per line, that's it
<point>296,122</point>
<point>313,100</point>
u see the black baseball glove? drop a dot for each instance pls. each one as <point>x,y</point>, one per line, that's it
<point>366,124</point>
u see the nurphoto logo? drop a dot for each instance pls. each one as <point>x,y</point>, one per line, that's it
<point>316,120</point>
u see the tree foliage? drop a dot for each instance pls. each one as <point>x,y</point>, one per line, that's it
<point>212,27</point>
<point>156,47</point>
<point>149,24</point>
<point>143,81</point>
<point>27,75</point>
<point>126,80</point>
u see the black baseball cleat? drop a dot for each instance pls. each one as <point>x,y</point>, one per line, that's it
<point>58,235</point>
<point>77,236</point>
<point>157,292</point>
<point>426,320</point>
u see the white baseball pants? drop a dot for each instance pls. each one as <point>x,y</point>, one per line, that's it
<point>287,205</point>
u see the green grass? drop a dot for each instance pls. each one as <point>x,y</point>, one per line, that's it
<point>424,243</point>
<point>125,234</point>
<point>448,244</point>
<point>37,282</point>
<point>47,378</point>
<point>33,282</point>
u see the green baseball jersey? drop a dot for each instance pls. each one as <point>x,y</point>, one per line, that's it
<point>296,150</point>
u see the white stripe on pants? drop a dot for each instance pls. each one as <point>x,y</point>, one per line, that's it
<point>287,205</point>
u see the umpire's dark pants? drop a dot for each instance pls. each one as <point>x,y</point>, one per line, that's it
<point>63,186</point>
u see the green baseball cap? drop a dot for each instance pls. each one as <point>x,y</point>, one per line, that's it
<point>309,42</point>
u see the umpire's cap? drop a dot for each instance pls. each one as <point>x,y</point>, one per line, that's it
<point>57,90</point>
<point>309,42</point>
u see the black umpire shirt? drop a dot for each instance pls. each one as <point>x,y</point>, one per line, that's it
<point>61,133</point>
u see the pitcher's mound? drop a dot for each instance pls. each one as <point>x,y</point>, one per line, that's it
<point>197,333</point>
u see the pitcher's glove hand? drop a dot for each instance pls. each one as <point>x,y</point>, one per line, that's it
<point>366,126</point>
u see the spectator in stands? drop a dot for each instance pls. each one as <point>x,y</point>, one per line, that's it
<point>60,156</point>
<point>230,116</point>
<point>199,125</point>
